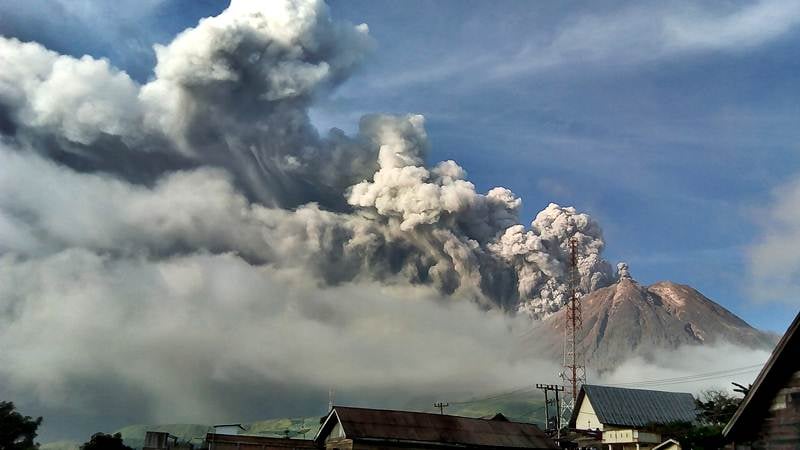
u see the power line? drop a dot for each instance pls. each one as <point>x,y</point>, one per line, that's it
<point>705,376</point>
<point>690,378</point>
<point>700,374</point>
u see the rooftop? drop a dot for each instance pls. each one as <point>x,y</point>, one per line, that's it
<point>408,426</point>
<point>636,407</point>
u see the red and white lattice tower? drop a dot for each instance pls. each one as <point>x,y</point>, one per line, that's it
<point>573,371</point>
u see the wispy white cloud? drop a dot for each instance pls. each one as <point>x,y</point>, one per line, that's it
<point>752,25</point>
<point>774,260</point>
<point>622,37</point>
<point>642,33</point>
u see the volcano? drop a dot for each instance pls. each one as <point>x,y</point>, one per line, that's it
<point>627,319</point>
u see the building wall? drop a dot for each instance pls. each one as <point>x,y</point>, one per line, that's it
<point>587,419</point>
<point>338,444</point>
<point>629,435</point>
<point>780,428</point>
<point>244,442</point>
<point>227,429</point>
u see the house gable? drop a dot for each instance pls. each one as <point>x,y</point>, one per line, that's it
<point>586,418</point>
<point>771,410</point>
<point>331,429</point>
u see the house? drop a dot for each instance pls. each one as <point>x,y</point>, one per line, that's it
<point>216,441</point>
<point>769,415</point>
<point>624,417</point>
<point>669,444</point>
<point>348,428</point>
<point>159,440</point>
<point>233,428</point>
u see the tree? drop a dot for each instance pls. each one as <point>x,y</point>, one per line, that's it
<point>102,441</point>
<point>17,432</point>
<point>716,407</point>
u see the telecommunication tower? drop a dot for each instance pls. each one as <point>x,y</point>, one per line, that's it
<point>573,371</point>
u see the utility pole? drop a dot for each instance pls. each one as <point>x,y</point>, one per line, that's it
<point>441,406</point>
<point>556,389</point>
<point>546,405</point>
<point>573,370</point>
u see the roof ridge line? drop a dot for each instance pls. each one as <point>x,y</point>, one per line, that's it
<point>421,412</point>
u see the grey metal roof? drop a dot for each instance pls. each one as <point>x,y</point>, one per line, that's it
<point>636,407</point>
<point>441,430</point>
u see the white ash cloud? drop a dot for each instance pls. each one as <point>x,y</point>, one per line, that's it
<point>169,222</point>
<point>542,256</point>
<point>181,332</point>
<point>774,260</point>
<point>623,271</point>
<point>690,368</point>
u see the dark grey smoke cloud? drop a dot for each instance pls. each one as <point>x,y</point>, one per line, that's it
<point>233,94</point>
<point>176,240</point>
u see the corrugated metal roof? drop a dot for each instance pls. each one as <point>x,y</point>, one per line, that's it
<point>390,425</point>
<point>637,407</point>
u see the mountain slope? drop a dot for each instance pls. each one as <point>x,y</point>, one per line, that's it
<point>627,319</point>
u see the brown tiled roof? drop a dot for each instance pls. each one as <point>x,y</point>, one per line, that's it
<point>407,426</point>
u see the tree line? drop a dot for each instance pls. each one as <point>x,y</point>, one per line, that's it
<point>18,432</point>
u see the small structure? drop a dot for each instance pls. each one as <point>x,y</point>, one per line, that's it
<point>244,442</point>
<point>348,428</point>
<point>232,428</point>
<point>669,444</point>
<point>159,440</point>
<point>769,415</point>
<point>624,417</point>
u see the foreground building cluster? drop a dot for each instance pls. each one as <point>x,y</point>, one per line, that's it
<point>348,428</point>
<point>604,418</point>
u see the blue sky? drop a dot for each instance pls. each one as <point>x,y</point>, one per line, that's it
<point>674,125</point>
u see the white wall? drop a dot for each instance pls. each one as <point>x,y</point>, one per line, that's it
<point>587,419</point>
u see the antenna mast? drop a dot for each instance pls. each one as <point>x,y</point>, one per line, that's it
<point>573,371</point>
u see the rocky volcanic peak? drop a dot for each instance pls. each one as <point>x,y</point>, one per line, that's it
<point>627,319</point>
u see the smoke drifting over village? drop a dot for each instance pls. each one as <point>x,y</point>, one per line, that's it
<point>208,242</point>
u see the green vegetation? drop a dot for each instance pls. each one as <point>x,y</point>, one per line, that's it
<point>102,441</point>
<point>133,435</point>
<point>715,410</point>
<point>294,428</point>
<point>60,445</point>
<point>518,407</point>
<point>17,432</point>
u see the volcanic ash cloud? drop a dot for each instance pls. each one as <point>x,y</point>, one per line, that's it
<point>214,162</point>
<point>227,111</point>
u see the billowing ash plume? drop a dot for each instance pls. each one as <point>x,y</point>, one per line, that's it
<point>202,210</point>
<point>623,271</point>
<point>217,153</point>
